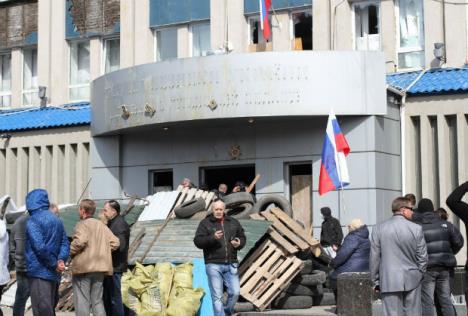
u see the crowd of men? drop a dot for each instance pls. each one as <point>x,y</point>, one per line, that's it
<point>40,248</point>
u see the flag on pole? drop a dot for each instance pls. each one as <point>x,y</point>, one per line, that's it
<point>264,6</point>
<point>333,170</point>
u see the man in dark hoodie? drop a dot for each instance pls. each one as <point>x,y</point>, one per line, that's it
<point>221,236</point>
<point>47,250</point>
<point>331,235</point>
<point>443,242</point>
<point>460,208</point>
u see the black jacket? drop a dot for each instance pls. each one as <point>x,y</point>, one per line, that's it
<point>121,230</point>
<point>331,232</point>
<point>219,250</point>
<point>443,241</point>
<point>18,242</point>
<point>460,208</point>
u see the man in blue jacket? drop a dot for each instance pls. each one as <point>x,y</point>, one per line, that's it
<point>47,249</point>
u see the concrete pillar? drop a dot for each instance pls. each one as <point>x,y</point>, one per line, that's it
<point>144,40</point>
<point>388,34</point>
<point>432,30</point>
<point>237,27</point>
<point>281,32</point>
<point>218,23</point>
<point>10,179</point>
<point>127,32</point>
<point>445,164</point>
<point>59,55</point>
<point>95,58</point>
<point>44,44</point>
<point>183,42</point>
<point>410,157</point>
<point>342,33</point>
<point>321,24</point>
<point>456,42</point>
<point>22,174</point>
<point>3,171</point>
<point>16,77</point>
<point>427,162</point>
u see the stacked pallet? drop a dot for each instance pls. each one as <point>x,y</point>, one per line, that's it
<point>269,270</point>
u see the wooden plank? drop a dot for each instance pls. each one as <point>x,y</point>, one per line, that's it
<point>190,194</point>
<point>253,257</point>
<point>209,198</point>
<point>301,232</point>
<point>260,271</point>
<point>182,196</point>
<point>198,194</point>
<point>301,199</point>
<point>282,241</point>
<point>204,195</point>
<point>256,216</point>
<point>282,229</point>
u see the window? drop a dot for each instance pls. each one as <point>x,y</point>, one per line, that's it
<point>112,54</point>
<point>366,23</point>
<point>411,29</point>
<point>302,26</point>
<point>30,91</point>
<point>166,44</point>
<point>5,80</point>
<point>161,181</point>
<point>256,32</point>
<point>79,71</point>
<point>201,39</point>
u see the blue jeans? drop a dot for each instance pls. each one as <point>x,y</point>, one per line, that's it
<point>112,295</point>
<point>222,275</point>
<point>438,281</point>
<point>22,293</point>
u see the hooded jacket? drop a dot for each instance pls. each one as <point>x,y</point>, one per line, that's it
<point>219,250</point>
<point>353,255</point>
<point>46,240</point>
<point>331,233</point>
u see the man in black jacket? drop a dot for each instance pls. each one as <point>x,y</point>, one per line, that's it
<point>460,208</point>
<point>443,242</point>
<point>331,235</point>
<point>112,285</point>
<point>221,236</point>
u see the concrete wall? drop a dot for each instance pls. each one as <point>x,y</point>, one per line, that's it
<point>54,159</point>
<point>374,162</point>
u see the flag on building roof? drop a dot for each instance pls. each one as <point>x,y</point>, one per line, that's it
<point>265,6</point>
<point>333,170</point>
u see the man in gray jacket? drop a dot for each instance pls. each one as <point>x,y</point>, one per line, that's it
<point>17,244</point>
<point>398,261</point>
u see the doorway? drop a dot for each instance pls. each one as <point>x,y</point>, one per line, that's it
<point>300,191</point>
<point>211,177</point>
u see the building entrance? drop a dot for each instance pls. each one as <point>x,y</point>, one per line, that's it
<point>213,176</point>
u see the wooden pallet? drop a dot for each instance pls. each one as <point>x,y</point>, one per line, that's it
<point>266,273</point>
<point>287,232</point>
<point>187,194</point>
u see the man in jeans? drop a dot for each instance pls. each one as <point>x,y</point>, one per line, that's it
<point>112,284</point>
<point>443,241</point>
<point>221,236</point>
<point>17,244</point>
<point>91,252</point>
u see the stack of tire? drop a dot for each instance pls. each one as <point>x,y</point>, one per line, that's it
<point>305,290</point>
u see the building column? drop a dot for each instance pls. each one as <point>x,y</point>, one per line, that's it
<point>387,34</point>
<point>57,90</point>
<point>281,32</point>
<point>144,40</point>
<point>427,180</point>
<point>95,54</point>
<point>16,77</point>
<point>183,42</point>
<point>127,32</point>
<point>44,44</point>
<point>321,26</point>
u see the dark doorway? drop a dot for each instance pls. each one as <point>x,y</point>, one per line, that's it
<point>300,192</point>
<point>213,176</point>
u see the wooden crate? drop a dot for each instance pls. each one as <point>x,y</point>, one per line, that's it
<point>266,273</point>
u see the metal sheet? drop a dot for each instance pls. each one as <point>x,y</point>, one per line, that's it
<point>273,84</point>
<point>160,205</point>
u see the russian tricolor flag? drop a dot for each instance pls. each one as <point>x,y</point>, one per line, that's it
<point>333,170</point>
<point>264,23</point>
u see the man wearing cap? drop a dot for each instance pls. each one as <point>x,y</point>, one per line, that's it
<point>443,242</point>
<point>331,235</point>
<point>398,261</point>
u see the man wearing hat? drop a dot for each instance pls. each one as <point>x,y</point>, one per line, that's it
<point>443,242</point>
<point>331,235</point>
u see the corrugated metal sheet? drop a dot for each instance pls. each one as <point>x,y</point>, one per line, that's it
<point>40,118</point>
<point>70,217</point>
<point>433,81</point>
<point>175,243</point>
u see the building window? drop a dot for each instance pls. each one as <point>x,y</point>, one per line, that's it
<point>166,44</point>
<point>201,39</point>
<point>161,181</point>
<point>256,32</point>
<point>366,26</point>
<point>411,29</point>
<point>79,71</point>
<point>112,54</point>
<point>30,91</point>
<point>302,26</point>
<point>5,80</point>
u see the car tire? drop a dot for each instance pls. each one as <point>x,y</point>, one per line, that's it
<point>244,307</point>
<point>237,198</point>
<point>279,201</point>
<point>299,289</point>
<point>286,301</point>
<point>308,267</point>
<point>317,296</point>
<point>315,278</point>
<point>189,208</point>
<point>242,211</point>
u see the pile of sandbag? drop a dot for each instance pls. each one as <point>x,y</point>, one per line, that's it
<point>161,290</point>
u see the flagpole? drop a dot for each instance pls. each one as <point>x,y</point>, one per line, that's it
<point>261,13</point>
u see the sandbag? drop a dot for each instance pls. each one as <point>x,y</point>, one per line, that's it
<point>186,302</point>
<point>163,273</point>
<point>151,300</point>
<point>129,298</point>
<point>143,271</point>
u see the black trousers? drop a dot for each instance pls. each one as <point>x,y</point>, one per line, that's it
<point>43,295</point>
